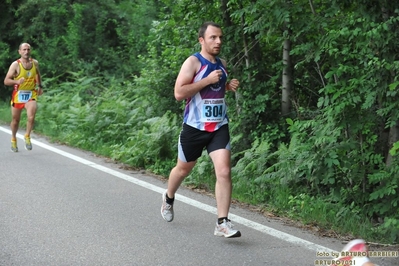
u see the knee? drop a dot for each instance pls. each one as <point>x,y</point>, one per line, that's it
<point>183,172</point>
<point>224,174</point>
<point>31,118</point>
<point>183,169</point>
<point>15,120</point>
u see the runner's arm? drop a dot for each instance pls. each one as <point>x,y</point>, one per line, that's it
<point>38,75</point>
<point>233,84</point>
<point>38,78</point>
<point>12,72</point>
<point>184,88</point>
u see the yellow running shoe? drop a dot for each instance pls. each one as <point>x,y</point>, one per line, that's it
<point>14,147</point>
<point>28,144</point>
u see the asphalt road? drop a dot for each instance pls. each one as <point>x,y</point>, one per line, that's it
<point>62,206</point>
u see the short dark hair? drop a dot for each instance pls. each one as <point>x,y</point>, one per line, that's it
<point>204,26</point>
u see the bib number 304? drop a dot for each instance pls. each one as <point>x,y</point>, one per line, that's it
<point>213,110</point>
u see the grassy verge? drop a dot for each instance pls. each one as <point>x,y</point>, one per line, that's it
<point>5,113</point>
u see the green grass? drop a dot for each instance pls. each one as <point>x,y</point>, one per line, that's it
<point>328,218</point>
<point>5,112</point>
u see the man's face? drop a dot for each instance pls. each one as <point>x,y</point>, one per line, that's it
<point>24,50</point>
<point>212,40</point>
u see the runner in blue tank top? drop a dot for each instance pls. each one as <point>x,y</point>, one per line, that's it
<point>202,82</point>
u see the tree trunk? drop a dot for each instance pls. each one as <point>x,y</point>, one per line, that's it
<point>287,78</point>
<point>225,13</point>
<point>393,131</point>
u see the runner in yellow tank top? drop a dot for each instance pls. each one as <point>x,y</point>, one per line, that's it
<point>26,91</point>
<point>24,76</point>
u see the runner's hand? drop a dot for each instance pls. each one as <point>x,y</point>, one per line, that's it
<point>233,85</point>
<point>215,76</point>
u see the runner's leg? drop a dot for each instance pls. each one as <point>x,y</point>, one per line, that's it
<point>177,175</point>
<point>221,161</point>
<point>16,117</point>
<point>31,108</point>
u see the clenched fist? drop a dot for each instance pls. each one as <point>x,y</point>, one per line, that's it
<point>20,81</point>
<point>233,85</point>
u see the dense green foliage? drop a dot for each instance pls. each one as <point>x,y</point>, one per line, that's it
<point>110,66</point>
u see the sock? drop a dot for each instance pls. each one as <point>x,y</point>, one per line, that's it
<point>27,135</point>
<point>13,139</point>
<point>169,200</point>
<point>221,220</point>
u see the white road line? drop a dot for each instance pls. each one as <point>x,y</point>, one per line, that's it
<point>238,219</point>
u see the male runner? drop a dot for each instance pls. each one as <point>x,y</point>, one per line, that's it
<point>24,76</point>
<point>202,82</point>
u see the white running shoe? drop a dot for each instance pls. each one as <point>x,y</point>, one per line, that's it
<point>226,229</point>
<point>166,209</point>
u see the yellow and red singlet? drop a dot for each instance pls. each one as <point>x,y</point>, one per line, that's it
<point>26,91</point>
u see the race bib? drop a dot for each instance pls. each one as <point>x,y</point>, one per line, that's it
<point>213,110</point>
<point>24,96</point>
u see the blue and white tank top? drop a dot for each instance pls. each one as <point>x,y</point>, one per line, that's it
<point>207,110</point>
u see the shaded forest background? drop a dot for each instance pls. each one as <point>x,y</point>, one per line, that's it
<point>314,125</point>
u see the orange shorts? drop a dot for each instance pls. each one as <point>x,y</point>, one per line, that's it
<point>20,105</point>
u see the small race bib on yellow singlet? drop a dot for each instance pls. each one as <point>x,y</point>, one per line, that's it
<point>24,96</point>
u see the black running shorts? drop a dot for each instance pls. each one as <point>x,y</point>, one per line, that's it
<point>192,142</point>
